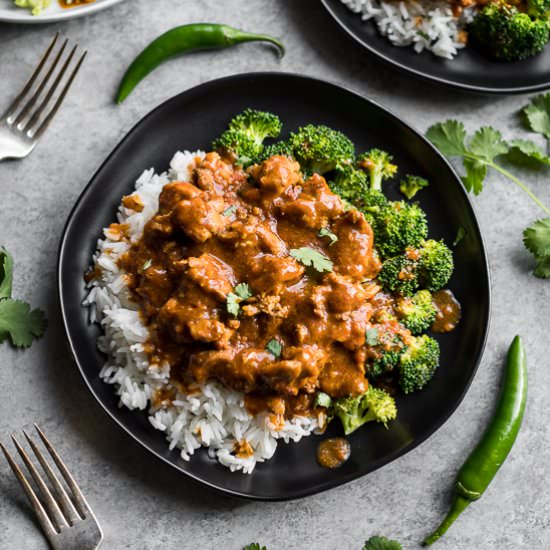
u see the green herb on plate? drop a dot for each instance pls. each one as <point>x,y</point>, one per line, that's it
<point>240,293</point>
<point>275,348</point>
<point>325,232</point>
<point>312,258</point>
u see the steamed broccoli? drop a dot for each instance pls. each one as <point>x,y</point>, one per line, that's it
<point>411,185</point>
<point>418,312</point>
<point>400,274</point>
<point>281,148</point>
<point>398,226</point>
<point>385,346</point>
<point>503,32</point>
<point>350,183</point>
<point>320,149</point>
<point>378,165</point>
<point>538,8</point>
<point>435,266</point>
<point>373,405</point>
<point>246,133</point>
<point>418,363</point>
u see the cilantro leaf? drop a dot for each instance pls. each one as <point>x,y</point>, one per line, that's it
<point>312,258</point>
<point>411,185</point>
<point>460,234</point>
<point>6,273</point>
<point>254,546</point>
<point>382,543</point>
<point>275,348</point>
<point>448,137</point>
<point>240,293</point>
<point>475,175</point>
<point>228,212</point>
<point>242,290</point>
<point>323,399</point>
<point>526,152</point>
<point>371,337</point>
<point>536,239</point>
<point>147,264</point>
<point>20,323</point>
<point>487,143</point>
<point>537,114</point>
<point>325,232</point>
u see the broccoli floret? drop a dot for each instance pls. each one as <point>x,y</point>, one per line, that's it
<point>418,312</point>
<point>418,363</point>
<point>435,265</point>
<point>384,347</point>
<point>373,405</point>
<point>378,165</point>
<point>281,148</point>
<point>350,183</point>
<point>385,364</point>
<point>411,185</point>
<point>398,226</point>
<point>538,8</point>
<point>400,275</point>
<point>246,133</point>
<point>503,32</point>
<point>320,149</point>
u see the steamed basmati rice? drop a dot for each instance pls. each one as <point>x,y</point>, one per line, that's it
<point>214,416</point>
<point>426,25</point>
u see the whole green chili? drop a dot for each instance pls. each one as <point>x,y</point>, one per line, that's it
<point>481,466</point>
<point>184,39</point>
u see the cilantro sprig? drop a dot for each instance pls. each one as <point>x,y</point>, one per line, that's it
<point>479,153</point>
<point>381,543</point>
<point>326,232</point>
<point>17,321</point>
<point>312,258</point>
<point>240,293</point>
<point>274,347</point>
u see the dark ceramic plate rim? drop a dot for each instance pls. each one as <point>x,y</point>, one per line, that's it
<point>378,463</point>
<point>430,77</point>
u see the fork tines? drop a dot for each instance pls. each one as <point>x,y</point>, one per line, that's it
<point>52,504</point>
<point>42,95</point>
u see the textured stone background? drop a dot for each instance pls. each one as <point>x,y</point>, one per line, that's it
<point>144,505</point>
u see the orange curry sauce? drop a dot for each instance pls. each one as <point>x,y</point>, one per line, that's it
<point>228,226</point>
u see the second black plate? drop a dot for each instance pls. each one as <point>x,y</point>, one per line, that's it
<point>191,121</point>
<point>469,70</point>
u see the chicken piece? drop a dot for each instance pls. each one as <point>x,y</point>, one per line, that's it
<point>276,174</point>
<point>354,248</point>
<point>315,206</point>
<point>200,217</point>
<point>269,272</point>
<point>344,294</point>
<point>174,192</point>
<point>212,275</point>
<point>254,234</point>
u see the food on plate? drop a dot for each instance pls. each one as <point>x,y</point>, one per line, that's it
<point>496,443</point>
<point>505,30</point>
<point>185,39</point>
<point>256,292</point>
<point>36,6</point>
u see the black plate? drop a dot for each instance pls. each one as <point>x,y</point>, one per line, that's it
<point>469,70</point>
<point>190,121</point>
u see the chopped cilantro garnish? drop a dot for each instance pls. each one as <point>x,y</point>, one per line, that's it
<point>323,399</point>
<point>240,293</point>
<point>275,348</point>
<point>371,337</point>
<point>325,232</point>
<point>312,258</point>
<point>230,211</point>
<point>147,264</point>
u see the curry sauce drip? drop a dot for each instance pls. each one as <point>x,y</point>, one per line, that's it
<point>228,226</point>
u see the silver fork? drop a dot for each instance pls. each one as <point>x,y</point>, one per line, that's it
<point>31,112</point>
<point>67,521</point>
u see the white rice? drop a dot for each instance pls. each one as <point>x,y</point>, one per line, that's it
<point>214,417</point>
<point>425,25</point>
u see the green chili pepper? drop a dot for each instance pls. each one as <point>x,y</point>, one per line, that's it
<point>479,469</point>
<point>184,39</point>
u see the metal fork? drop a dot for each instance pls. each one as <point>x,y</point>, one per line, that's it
<point>67,521</point>
<point>31,112</point>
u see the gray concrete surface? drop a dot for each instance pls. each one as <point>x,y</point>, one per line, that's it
<point>142,504</point>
